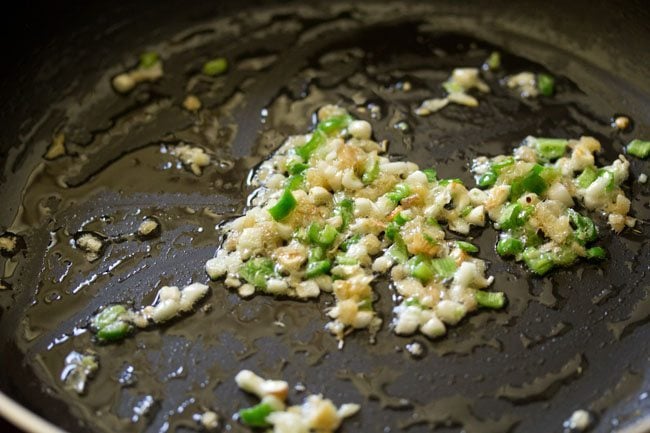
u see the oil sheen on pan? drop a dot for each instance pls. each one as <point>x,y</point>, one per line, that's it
<point>131,190</point>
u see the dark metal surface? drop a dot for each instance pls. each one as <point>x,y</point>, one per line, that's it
<point>576,339</point>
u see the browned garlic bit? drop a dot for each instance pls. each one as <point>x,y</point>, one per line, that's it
<point>56,148</point>
<point>149,228</point>
<point>10,244</point>
<point>457,85</point>
<point>192,103</point>
<point>193,157</point>
<point>90,243</point>
<point>621,123</point>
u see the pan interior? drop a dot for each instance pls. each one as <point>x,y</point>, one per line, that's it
<point>572,340</point>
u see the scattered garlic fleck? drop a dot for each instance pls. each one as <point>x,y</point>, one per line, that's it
<point>643,178</point>
<point>91,243</point>
<point>192,103</point>
<point>149,228</point>
<point>126,81</point>
<point>193,157</point>
<point>9,244</point>
<point>79,367</point>
<point>56,148</point>
<point>621,123</point>
<point>210,420</point>
<point>579,420</point>
<point>415,349</point>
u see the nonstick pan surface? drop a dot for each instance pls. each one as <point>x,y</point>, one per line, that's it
<point>573,340</point>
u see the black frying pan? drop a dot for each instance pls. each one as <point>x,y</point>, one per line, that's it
<point>576,339</point>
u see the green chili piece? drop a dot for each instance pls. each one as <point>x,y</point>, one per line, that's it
<point>531,182</point>
<point>497,167</point>
<point>511,217</point>
<point>294,182</point>
<point>345,245</point>
<point>487,179</point>
<point>317,268</point>
<point>392,230</point>
<point>297,168</point>
<point>323,236</point>
<point>372,172</point>
<point>148,59</point>
<point>587,177</point>
<point>467,246</point>
<point>584,228</point>
<point>399,192</point>
<point>638,148</point>
<point>256,416</point>
<point>551,148</point>
<point>537,261</point>
<point>215,67</point>
<point>493,62</point>
<point>256,271</point>
<point>421,268</point>
<point>546,84</point>
<point>494,300</point>
<point>596,253</point>
<point>109,325</point>
<point>444,267</point>
<point>284,206</point>
<point>115,331</point>
<point>108,315</point>
<point>564,256</point>
<point>509,247</point>
<point>334,124</point>
<point>431,174</point>
<point>317,138</point>
<point>345,260</point>
<point>345,209</point>
<point>398,251</point>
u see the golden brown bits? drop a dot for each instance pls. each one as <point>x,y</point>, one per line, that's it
<point>621,123</point>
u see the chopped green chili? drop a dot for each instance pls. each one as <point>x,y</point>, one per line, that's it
<point>256,416</point>
<point>421,268</point>
<point>585,230</point>
<point>493,62</point>
<point>297,168</point>
<point>431,174</point>
<point>317,268</point>
<point>294,182</point>
<point>335,124</point>
<point>345,209</point>
<point>487,179</point>
<point>551,148</point>
<point>638,148</point>
<point>109,324</point>
<point>215,67</point>
<point>256,271</point>
<point>148,59</point>
<point>372,172</point>
<point>285,205</point>
<point>399,192</point>
<point>467,246</point>
<point>346,244</point>
<point>531,182</point>
<point>537,261</point>
<point>509,247</point>
<point>322,235</point>
<point>398,251</point>
<point>512,216</point>
<point>545,84</point>
<point>317,138</point>
<point>596,253</point>
<point>443,267</point>
<point>587,177</point>
<point>494,300</point>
